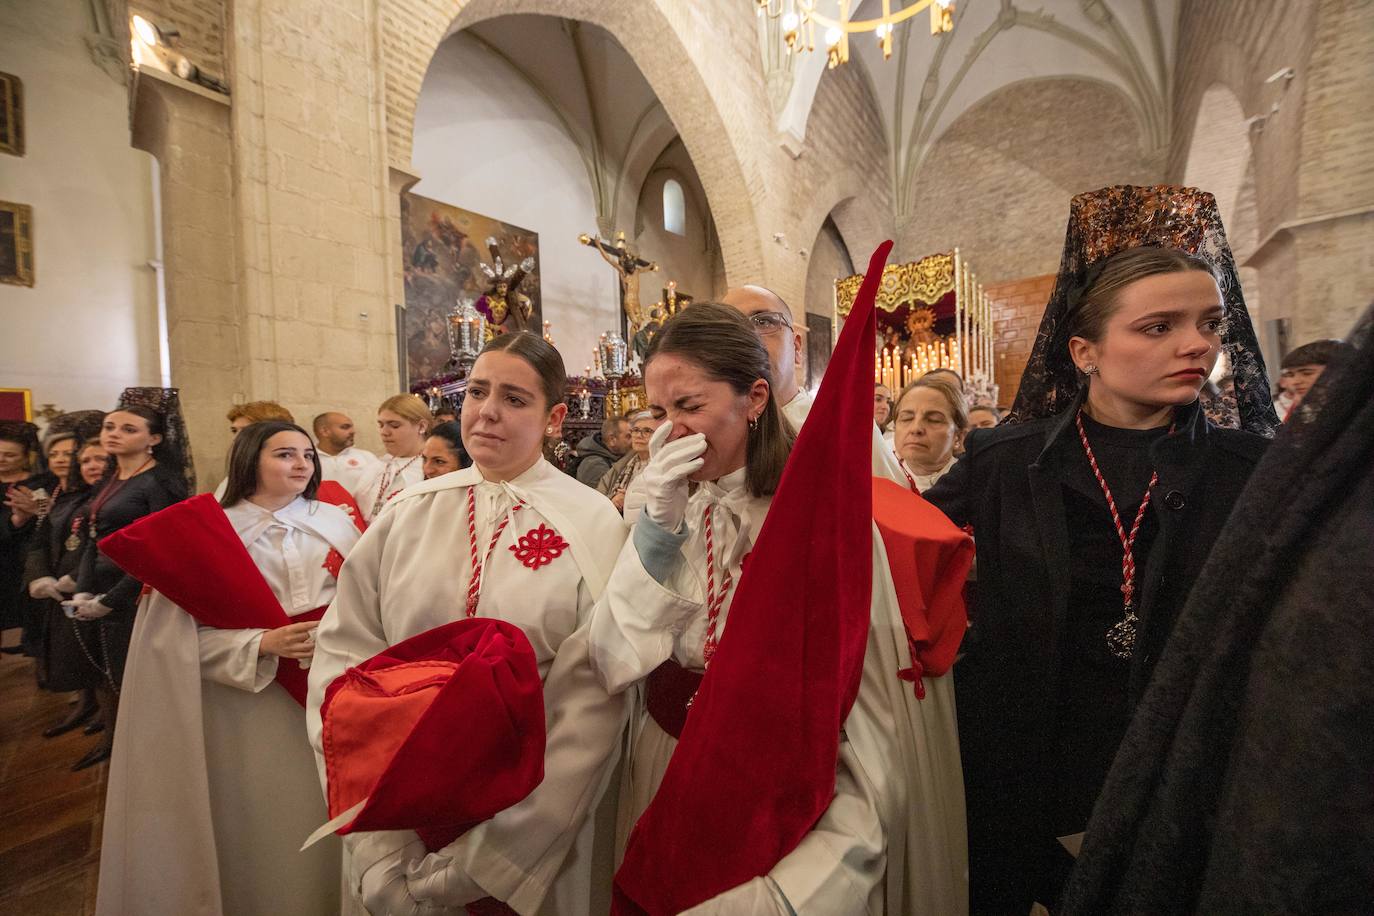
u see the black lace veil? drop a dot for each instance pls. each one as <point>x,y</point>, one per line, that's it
<point>176,442</point>
<point>1104,222</point>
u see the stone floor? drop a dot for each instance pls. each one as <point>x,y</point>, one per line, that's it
<point>49,816</point>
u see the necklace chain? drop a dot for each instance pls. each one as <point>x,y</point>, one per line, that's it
<point>1121,637</point>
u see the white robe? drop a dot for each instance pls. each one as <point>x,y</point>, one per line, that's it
<point>350,467</point>
<point>212,782</point>
<point>893,840</point>
<point>389,477</point>
<point>410,574</point>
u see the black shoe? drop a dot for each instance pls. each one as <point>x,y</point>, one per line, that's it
<point>96,755</point>
<point>12,650</point>
<point>77,717</point>
<point>94,728</point>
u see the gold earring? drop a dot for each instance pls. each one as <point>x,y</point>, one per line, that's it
<point>1090,369</point>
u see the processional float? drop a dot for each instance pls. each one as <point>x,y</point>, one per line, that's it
<point>932,314</point>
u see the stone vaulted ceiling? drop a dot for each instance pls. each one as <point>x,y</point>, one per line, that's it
<point>929,82</point>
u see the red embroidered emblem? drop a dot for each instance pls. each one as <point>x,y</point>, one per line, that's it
<point>333,562</point>
<point>539,547</point>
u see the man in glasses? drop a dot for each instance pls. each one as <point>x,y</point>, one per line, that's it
<point>772,321</point>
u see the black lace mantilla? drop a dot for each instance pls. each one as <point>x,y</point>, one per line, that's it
<point>1104,222</point>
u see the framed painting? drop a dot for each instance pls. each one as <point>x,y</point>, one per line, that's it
<point>449,256</point>
<point>16,404</point>
<point>11,114</point>
<point>16,243</point>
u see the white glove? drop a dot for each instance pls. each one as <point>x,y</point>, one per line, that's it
<point>66,585</point>
<point>665,477</point>
<point>384,890</point>
<point>439,880</point>
<point>90,607</point>
<point>45,587</point>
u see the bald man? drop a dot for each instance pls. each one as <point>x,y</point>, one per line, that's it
<point>339,459</point>
<point>772,321</point>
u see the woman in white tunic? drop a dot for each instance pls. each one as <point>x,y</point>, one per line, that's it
<point>212,783</point>
<point>403,421</point>
<point>510,537</point>
<point>892,841</point>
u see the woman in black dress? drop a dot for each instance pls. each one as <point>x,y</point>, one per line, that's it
<point>1094,506</point>
<point>20,481</point>
<point>145,475</point>
<point>74,453</point>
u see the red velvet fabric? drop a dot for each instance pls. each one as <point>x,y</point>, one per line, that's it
<point>930,558</point>
<point>190,553</point>
<point>333,492</point>
<point>437,733</point>
<point>755,767</point>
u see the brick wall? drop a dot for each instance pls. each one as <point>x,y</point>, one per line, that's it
<point>1017,307</point>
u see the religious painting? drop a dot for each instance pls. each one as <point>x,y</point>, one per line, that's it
<point>16,244</point>
<point>11,114</point>
<point>16,404</point>
<point>818,347</point>
<point>452,256</point>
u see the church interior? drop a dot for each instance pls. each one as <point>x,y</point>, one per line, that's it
<point>325,203</point>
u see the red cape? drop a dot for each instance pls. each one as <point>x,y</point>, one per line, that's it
<point>755,767</point>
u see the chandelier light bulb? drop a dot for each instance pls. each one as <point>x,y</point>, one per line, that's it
<point>790,22</point>
<point>832,37</point>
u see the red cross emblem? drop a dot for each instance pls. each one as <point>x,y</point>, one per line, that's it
<point>539,547</point>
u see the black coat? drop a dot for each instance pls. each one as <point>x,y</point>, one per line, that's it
<point>1009,487</point>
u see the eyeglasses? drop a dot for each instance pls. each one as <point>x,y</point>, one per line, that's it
<point>641,430</point>
<point>769,322</point>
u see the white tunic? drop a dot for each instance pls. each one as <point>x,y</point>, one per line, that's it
<point>410,574</point>
<point>893,840</point>
<point>212,782</point>
<point>390,476</point>
<point>349,467</point>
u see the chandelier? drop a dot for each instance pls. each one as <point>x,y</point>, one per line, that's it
<point>799,19</point>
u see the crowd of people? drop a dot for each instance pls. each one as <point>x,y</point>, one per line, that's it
<point>934,756</point>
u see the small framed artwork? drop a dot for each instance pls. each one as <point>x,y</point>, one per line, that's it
<point>11,114</point>
<point>16,404</point>
<point>16,243</point>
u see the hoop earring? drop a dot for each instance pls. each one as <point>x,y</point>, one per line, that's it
<point>753,424</point>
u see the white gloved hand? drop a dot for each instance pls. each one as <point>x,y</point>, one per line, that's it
<point>45,587</point>
<point>438,879</point>
<point>66,585</point>
<point>383,885</point>
<point>90,607</point>
<point>665,476</point>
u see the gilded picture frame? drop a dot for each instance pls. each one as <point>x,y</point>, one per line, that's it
<point>11,114</point>
<point>16,243</point>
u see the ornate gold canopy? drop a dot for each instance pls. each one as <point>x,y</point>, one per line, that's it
<point>927,280</point>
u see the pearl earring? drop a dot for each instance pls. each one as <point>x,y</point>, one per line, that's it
<point>548,430</point>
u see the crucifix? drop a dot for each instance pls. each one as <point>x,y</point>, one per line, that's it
<point>629,266</point>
